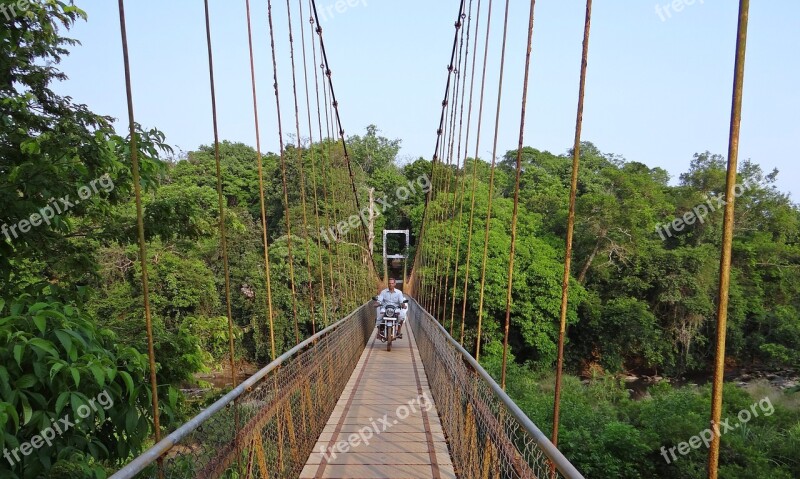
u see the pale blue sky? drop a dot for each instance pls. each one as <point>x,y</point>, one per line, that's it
<point>658,88</point>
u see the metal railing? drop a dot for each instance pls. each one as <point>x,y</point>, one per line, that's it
<point>489,435</point>
<point>267,426</point>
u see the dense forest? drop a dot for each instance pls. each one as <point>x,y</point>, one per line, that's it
<point>643,298</point>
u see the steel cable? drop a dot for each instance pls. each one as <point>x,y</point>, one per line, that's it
<point>313,167</point>
<point>335,103</point>
<point>727,235</point>
<point>516,196</point>
<point>222,228</point>
<point>287,213</point>
<point>475,170</point>
<point>262,200</point>
<point>137,190</point>
<point>571,222</point>
<point>439,132</point>
<point>491,186</point>
<point>301,170</point>
<point>460,193</point>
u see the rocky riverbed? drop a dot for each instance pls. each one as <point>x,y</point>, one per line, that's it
<point>781,379</point>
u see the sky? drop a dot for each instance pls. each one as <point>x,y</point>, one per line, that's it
<point>658,87</point>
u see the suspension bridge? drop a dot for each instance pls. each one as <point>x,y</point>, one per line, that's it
<point>337,404</point>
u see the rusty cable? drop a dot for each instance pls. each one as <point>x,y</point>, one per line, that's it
<point>464,162</point>
<point>331,144</point>
<point>263,203</point>
<point>137,190</point>
<point>576,157</point>
<point>335,103</point>
<point>301,171</point>
<point>491,186</point>
<point>432,247</point>
<point>283,174</point>
<point>447,210</point>
<point>322,156</point>
<point>313,167</point>
<point>475,170</point>
<point>459,192</point>
<point>447,150</point>
<point>220,196</point>
<point>450,68</point>
<point>328,208</point>
<point>448,109</point>
<point>727,235</point>
<point>222,229</point>
<point>516,196</point>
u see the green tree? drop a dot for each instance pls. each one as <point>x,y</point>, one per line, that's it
<point>56,363</point>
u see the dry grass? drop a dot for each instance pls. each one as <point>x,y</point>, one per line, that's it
<point>762,388</point>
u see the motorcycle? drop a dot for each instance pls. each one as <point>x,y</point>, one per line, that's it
<point>389,324</point>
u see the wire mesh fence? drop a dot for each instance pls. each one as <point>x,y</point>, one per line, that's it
<point>268,425</point>
<point>489,436</point>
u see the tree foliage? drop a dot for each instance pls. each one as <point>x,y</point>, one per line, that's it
<point>642,297</point>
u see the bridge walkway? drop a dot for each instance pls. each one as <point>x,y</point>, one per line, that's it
<point>385,424</point>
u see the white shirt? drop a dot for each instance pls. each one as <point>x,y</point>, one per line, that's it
<point>387,297</point>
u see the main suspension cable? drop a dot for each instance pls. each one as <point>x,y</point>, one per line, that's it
<point>458,191</point>
<point>429,196</point>
<point>329,75</point>
<point>313,167</point>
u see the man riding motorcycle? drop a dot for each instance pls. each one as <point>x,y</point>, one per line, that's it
<point>395,297</point>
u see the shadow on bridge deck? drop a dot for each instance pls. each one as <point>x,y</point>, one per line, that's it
<point>385,424</point>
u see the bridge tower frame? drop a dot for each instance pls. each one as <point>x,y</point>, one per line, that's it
<point>390,256</point>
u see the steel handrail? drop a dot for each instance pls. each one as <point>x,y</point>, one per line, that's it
<point>150,456</point>
<point>561,463</point>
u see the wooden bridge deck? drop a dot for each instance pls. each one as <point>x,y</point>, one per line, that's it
<point>385,424</point>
